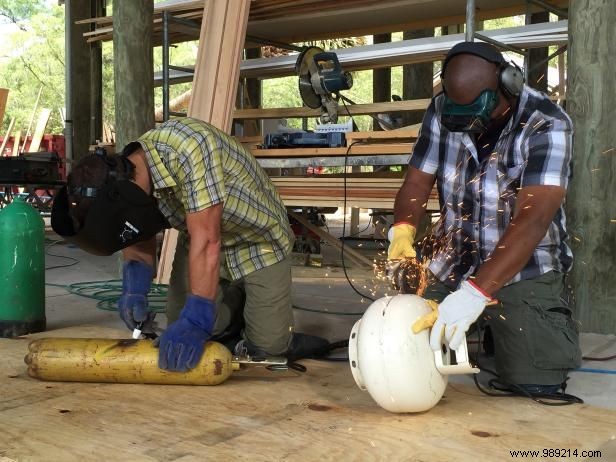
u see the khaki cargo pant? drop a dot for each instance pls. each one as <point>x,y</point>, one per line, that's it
<point>263,298</point>
<point>536,341</point>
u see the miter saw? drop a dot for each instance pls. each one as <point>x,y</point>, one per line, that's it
<point>321,78</point>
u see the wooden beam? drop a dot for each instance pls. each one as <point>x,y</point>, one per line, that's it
<point>215,84</point>
<point>357,257</point>
<point>353,109</point>
<point>132,60</point>
<point>591,208</point>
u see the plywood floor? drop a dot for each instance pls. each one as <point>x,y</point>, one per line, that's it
<point>320,415</point>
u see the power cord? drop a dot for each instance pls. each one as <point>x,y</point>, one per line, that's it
<point>73,262</point>
<point>107,293</point>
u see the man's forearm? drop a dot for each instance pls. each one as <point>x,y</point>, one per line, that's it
<point>511,254</point>
<point>535,209</point>
<point>204,263</point>
<point>411,201</point>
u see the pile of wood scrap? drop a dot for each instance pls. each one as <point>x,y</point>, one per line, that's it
<point>31,141</point>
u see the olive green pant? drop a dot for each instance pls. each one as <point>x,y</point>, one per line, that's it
<point>536,341</point>
<point>262,298</point>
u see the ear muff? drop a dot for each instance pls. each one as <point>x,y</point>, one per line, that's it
<point>511,79</point>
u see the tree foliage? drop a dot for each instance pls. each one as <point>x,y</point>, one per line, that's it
<point>16,11</point>
<point>33,58</point>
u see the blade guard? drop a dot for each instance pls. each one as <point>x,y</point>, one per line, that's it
<point>462,366</point>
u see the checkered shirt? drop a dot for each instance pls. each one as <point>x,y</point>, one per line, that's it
<point>194,166</point>
<point>477,198</point>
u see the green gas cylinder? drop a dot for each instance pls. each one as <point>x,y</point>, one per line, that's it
<point>22,270</point>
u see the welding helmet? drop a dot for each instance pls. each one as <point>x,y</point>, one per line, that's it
<point>475,116</point>
<point>120,214</point>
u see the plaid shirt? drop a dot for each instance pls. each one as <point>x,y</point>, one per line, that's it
<point>195,166</point>
<point>477,196</point>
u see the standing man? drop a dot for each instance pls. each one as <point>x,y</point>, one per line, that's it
<point>500,154</point>
<point>232,269</point>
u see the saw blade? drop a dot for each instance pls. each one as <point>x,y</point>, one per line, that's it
<point>305,68</point>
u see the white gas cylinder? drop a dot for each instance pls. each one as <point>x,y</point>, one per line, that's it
<point>396,366</point>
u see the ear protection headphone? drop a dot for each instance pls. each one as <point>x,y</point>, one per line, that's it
<point>510,79</point>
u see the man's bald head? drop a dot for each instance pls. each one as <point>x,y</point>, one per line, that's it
<point>467,75</point>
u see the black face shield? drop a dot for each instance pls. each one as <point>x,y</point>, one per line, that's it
<point>120,215</point>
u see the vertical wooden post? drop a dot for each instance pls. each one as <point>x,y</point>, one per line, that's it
<point>96,78</point>
<point>78,81</point>
<point>381,79</point>
<point>417,79</point>
<point>133,69</point>
<point>538,74</point>
<point>591,95</point>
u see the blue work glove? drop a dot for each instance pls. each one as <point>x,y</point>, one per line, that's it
<point>133,304</point>
<point>182,344</point>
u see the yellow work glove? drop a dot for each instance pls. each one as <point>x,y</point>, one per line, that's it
<point>401,239</point>
<point>427,320</point>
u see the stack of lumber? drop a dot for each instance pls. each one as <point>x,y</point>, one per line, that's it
<point>329,191</point>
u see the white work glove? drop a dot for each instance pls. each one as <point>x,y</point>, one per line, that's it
<point>455,315</point>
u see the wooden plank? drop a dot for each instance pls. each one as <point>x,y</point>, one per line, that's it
<point>165,264</point>
<point>39,131</point>
<point>217,69</point>
<point>16,142</point>
<point>351,253</point>
<point>4,96</point>
<point>381,136</point>
<point>355,150</point>
<point>263,416</point>
<point>7,136</point>
<point>353,109</point>
<point>221,42</point>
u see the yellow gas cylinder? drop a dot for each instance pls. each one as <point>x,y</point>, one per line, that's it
<point>120,361</point>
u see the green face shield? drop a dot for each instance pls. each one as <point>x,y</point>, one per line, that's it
<point>469,118</point>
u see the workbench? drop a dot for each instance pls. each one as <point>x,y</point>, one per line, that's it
<point>320,415</point>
